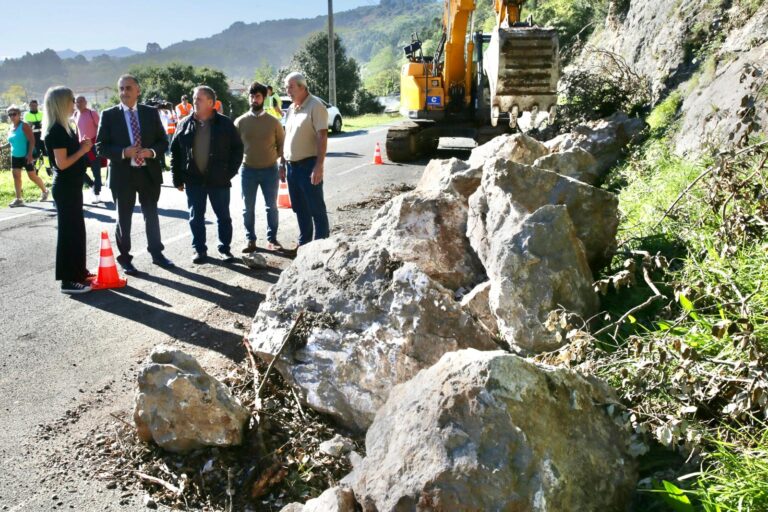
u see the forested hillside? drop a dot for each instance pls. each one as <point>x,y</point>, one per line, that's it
<point>366,32</point>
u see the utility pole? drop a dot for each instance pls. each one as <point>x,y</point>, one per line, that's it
<point>331,57</point>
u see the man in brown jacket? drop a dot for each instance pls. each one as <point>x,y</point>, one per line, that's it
<point>262,137</point>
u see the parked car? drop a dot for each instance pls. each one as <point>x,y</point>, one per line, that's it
<point>334,116</point>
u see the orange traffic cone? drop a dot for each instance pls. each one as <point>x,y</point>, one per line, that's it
<point>107,276</point>
<point>377,156</point>
<point>283,199</point>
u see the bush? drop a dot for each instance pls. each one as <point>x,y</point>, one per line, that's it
<point>365,103</point>
<point>603,86</point>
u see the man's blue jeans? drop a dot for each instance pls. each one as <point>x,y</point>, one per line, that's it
<point>268,179</point>
<point>96,181</point>
<point>197,196</point>
<point>307,201</point>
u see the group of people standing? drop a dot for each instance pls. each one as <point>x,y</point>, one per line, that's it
<point>208,150</point>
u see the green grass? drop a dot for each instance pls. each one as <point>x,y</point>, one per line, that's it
<point>736,478</point>
<point>369,121</point>
<point>691,349</point>
<point>29,190</point>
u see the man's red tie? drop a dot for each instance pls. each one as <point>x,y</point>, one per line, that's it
<point>136,134</point>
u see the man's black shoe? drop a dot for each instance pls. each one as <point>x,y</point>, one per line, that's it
<point>162,261</point>
<point>200,257</point>
<point>227,256</point>
<point>129,269</point>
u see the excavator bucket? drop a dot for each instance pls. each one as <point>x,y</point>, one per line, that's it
<point>523,66</point>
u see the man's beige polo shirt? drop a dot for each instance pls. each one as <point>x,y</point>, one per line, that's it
<point>301,127</point>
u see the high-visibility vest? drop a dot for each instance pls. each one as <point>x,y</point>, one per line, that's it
<point>171,128</point>
<point>35,120</point>
<point>182,110</point>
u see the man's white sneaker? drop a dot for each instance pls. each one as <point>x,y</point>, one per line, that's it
<point>44,195</point>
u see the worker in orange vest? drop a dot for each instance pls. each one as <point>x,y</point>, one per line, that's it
<point>184,108</point>
<point>170,129</point>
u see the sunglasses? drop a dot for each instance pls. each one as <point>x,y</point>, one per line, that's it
<point>12,114</point>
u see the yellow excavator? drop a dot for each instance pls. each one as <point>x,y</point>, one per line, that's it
<point>463,91</point>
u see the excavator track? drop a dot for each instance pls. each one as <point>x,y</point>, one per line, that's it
<point>402,142</point>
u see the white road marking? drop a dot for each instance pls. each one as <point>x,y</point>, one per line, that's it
<point>354,169</point>
<point>33,212</point>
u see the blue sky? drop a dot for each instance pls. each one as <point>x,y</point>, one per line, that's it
<point>86,24</point>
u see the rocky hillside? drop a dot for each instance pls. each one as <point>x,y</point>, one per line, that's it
<point>711,55</point>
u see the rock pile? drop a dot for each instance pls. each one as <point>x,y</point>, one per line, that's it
<point>475,259</point>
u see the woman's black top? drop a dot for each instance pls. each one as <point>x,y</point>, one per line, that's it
<point>58,138</point>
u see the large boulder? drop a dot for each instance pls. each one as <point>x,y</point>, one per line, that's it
<point>510,191</point>
<point>335,499</point>
<point>182,408</point>
<point>489,431</point>
<point>605,139</point>
<point>478,304</point>
<point>517,147</point>
<point>575,163</point>
<point>536,267</point>
<point>373,322</point>
<point>452,176</point>
<point>429,229</point>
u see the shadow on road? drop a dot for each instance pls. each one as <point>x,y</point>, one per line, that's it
<point>132,304</point>
<point>344,154</point>
<point>230,298</point>
<point>90,214</point>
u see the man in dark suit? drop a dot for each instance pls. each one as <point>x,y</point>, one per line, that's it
<point>132,136</point>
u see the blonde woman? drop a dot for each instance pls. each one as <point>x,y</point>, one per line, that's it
<point>21,139</point>
<point>68,163</point>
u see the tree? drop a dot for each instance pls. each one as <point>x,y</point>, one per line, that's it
<point>169,82</point>
<point>312,61</point>
<point>15,94</point>
<point>265,74</point>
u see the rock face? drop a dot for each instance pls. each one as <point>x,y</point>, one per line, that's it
<point>180,407</point>
<point>517,147</point>
<point>335,499</point>
<point>605,140</point>
<point>490,431</point>
<point>535,271</point>
<point>451,176</point>
<point>509,191</point>
<point>731,102</point>
<point>428,229</point>
<point>652,38</point>
<point>664,41</point>
<point>575,163</point>
<point>374,323</point>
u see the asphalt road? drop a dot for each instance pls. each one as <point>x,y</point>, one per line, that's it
<point>69,362</point>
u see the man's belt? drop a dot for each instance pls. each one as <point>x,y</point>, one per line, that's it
<point>302,161</point>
